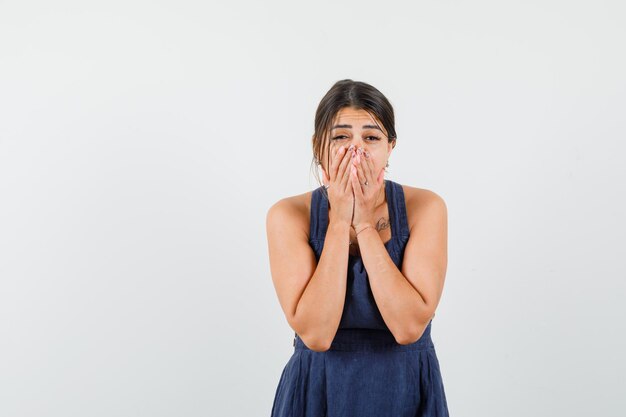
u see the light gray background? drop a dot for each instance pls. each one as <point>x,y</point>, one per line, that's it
<point>141,144</point>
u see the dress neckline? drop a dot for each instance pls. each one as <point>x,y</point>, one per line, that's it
<point>395,205</point>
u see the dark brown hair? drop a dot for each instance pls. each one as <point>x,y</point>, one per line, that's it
<point>349,93</point>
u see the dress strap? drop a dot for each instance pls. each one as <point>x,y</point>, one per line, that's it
<point>397,209</point>
<point>319,214</point>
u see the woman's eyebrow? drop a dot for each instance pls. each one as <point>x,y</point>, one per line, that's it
<point>350,127</point>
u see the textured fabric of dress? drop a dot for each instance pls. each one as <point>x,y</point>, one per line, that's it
<point>365,373</point>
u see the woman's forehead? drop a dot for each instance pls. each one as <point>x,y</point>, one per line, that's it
<point>355,115</point>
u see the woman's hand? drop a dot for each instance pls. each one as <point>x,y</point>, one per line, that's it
<point>339,188</point>
<point>365,196</point>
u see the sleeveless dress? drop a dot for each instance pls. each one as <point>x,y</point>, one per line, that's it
<point>365,373</point>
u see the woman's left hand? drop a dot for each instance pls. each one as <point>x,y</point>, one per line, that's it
<point>365,196</point>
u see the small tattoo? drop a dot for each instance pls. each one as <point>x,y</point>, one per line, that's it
<point>382,224</point>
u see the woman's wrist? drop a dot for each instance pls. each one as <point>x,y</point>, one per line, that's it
<point>361,227</point>
<point>340,226</point>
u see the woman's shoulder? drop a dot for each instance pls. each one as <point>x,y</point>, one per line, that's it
<point>417,200</point>
<point>294,208</point>
<point>295,203</point>
<point>419,195</point>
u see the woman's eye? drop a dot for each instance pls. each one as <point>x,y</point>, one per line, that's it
<point>344,136</point>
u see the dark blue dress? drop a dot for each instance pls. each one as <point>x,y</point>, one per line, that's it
<point>365,373</point>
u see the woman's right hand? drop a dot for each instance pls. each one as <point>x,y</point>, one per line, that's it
<point>339,187</point>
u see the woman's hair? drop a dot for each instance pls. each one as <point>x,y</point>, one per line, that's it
<point>349,93</point>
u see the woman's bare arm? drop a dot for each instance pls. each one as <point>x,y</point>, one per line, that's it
<point>407,297</point>
<point>311,294</point>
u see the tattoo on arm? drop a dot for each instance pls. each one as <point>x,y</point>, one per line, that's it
<point>382,223</point>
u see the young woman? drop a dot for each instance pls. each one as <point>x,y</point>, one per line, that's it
<point>359,266</point>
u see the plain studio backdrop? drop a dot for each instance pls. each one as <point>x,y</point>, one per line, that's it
<point>142,143</point>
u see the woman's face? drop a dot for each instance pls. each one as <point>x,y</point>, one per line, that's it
<point>357,127</point>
